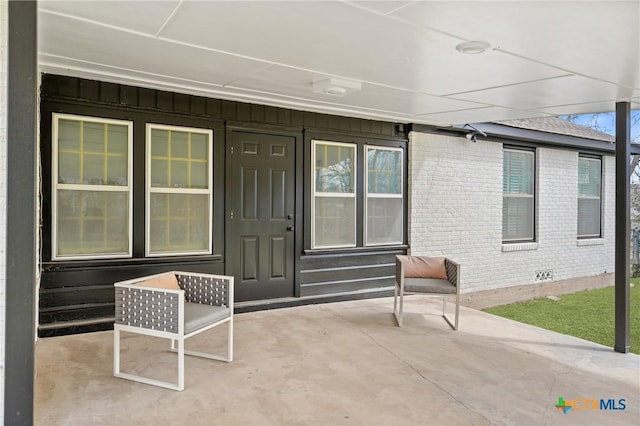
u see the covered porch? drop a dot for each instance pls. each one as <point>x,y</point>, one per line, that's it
<point>344,363</point>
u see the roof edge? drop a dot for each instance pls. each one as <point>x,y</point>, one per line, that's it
<point>496,130</point>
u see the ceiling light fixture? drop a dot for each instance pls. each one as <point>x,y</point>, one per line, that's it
<point>334,90</point>
<point>336,87</point>
<point>473,47</point>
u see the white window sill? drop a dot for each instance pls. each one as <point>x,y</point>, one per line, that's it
<point>519,247</point>
<point>591,242</point>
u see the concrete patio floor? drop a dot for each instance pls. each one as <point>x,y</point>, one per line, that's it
<point>342,364</point>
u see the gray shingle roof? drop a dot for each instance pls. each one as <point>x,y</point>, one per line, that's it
<point>558,126</point>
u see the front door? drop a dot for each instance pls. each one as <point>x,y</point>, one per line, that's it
<point>261,239</point>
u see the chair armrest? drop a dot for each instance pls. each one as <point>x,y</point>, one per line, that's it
<point>453,272</point>
<point>214,290</point>
<point>400,268</point>
<point>144,307</point>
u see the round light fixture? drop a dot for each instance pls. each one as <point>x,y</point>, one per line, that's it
<point>336,87</point>
<point>473,47</point>
<point>335,90</point>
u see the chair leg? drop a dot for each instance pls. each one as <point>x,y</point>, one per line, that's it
<point>230,341</point>
<point>116,352</point>
<point>227,358</point>
<point>401,307</point>
<point>398,313</point>
<point>395,298</point>
<point>457,308</point>
<point>180,364</point>
<point>141,379</point>
<point>453,324</point>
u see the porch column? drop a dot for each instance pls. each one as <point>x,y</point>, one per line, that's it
<point>21,213</point>
<point>623,226</point>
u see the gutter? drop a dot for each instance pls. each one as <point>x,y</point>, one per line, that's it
<point>499,131</point>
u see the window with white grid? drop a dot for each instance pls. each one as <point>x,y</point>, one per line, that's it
<point>92,187</point>
<point>179,190</point>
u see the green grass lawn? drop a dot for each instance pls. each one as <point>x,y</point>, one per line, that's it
<point>586,314</point>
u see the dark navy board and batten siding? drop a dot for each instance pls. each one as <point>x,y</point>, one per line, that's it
<point>330,273</point>
<point>77,296</point>
<point>80,91</point>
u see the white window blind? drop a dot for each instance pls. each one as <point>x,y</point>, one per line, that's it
<point>518,186</point>
<point>589,195</point>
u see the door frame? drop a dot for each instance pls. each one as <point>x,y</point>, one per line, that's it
<point>297,134</point>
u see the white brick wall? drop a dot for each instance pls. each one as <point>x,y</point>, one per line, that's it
<point>3,185</point>
<point>455,209</point>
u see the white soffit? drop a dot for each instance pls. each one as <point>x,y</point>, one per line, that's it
<point>343,41</point>
<point>144,16</point>
<point>381,7</point>
<point>599,39</point>
<point>546,57</point>
<point>296,83</point>
<point>588,108</point>
<point>547,93</point>
<point>478,115</point>
<point>125,52</point>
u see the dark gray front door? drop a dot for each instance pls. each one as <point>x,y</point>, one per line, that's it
<point>261,217</point>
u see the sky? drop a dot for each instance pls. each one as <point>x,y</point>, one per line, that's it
<point>606,122</point>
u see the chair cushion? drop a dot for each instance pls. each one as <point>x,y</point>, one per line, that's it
<point>428,285</point>
<point>424,267</point>
<point>198,315</point>
<point>168,281</point>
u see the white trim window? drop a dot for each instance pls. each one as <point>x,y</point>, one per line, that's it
<point>518,199</point>
<point>589,197</point>
<point>383,196</point>
<point>333,198</point>
<point>179,190</point>
<point>92,187</point>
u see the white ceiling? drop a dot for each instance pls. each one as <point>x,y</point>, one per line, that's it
<point>547,58</point>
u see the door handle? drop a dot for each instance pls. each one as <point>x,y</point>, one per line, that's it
<point>291,228</point>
